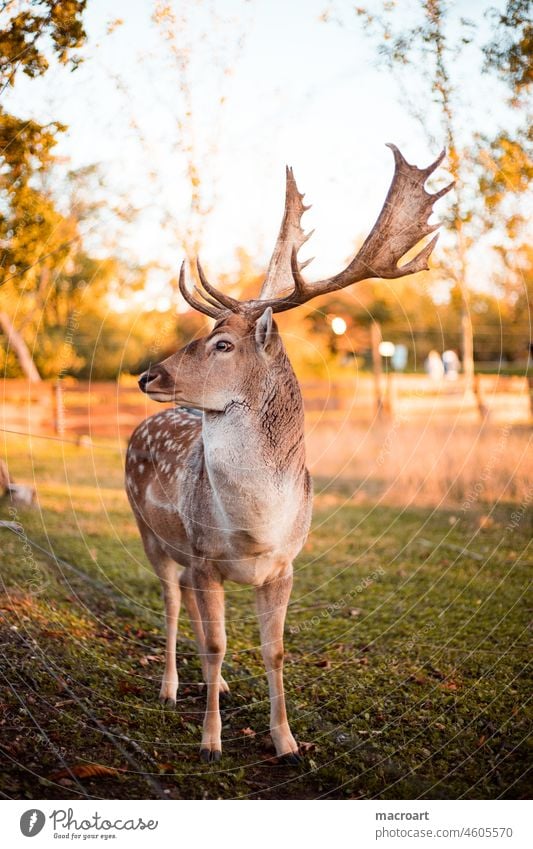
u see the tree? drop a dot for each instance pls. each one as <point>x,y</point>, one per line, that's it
<point>27,26</point>
<point>510,49</point>
<point>35,238</point>
<point>185,44</point>
<point>419,39</point>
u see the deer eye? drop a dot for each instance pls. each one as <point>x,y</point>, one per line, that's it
<point>223,346</point>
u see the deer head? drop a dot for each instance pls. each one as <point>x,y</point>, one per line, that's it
<point>224,366</point>
<point>229,366</point>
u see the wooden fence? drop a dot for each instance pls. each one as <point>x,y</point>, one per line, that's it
<point>113,409</point>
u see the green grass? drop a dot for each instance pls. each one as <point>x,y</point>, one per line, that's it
<point>406,667</point>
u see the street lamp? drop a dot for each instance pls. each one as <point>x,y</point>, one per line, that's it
<point>387,349</point>
<point>338,325</point>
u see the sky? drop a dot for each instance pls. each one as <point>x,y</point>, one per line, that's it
<point>271,83</point>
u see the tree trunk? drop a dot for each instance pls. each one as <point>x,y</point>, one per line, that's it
<point>17,343</point>
<point>375,337</point>
<point>468,350</point>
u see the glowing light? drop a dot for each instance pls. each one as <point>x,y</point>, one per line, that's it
<point>386,349</point>
<point>338,325</point>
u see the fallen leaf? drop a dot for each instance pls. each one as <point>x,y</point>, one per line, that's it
<point>449,685</point>
<point>248,732</point>
<point>306,747</point>
<point>150,658</point>
<point>486,522</point>
<point>125,687</point>
<point>86,771</point>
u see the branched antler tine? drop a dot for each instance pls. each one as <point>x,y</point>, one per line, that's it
<point>206,298</point>
<point>223,300</point>
<point>442,192</point>
<point>420,261</point>
<point>278,277</point>
<point>399,158</point>
<point>402,223</point>
<point>191,300</point>
<point>434,165</point>
<point>299,282</point>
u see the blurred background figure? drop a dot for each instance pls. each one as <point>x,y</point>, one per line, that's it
<point>451,364</point>
<point>434,365</point>
<point>399,357</point>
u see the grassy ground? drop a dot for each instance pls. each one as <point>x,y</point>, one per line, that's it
<point>407,655</point>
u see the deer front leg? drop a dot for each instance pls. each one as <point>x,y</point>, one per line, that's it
<point>189,598</point>
<point>210,598</point>
<point>272,599</point>
<point>168,575</point>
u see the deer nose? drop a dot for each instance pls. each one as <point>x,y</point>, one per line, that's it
<point>144,380</point>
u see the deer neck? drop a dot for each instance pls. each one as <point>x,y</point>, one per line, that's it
<point>255,451</point>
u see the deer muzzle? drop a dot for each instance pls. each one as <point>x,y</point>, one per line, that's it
<point>156,381</point>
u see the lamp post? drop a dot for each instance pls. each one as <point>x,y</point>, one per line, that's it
<point>386,350</point>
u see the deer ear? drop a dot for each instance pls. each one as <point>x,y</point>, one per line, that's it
<point>263,329</point>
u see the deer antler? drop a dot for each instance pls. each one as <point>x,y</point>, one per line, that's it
<point>206,306</point>
<point>291,236</point>
<point>214,302</point>
<point>401,224</point>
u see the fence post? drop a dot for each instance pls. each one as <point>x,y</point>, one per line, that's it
<point>480,401</point>
<point>59,408</point>
<point>375,339</point>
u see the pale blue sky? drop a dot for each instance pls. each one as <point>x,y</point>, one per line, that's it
<point>301,92</point>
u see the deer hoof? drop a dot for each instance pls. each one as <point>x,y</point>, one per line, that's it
<point>290,759</point>
<point>167,702</point>
<point>210,755</point>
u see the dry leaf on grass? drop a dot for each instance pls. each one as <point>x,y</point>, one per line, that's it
<point>486,522</point>
<point>150,658</point>
<point>86,771</point>
<point>125,687</point>
<point>306,747</point>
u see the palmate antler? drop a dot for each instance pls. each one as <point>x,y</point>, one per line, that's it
<point>290,239</point>
<point>401,224</point>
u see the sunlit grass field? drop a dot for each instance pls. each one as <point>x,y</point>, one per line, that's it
<point>407,651</point>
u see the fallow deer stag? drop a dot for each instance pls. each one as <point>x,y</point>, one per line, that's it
<point>224,492</point>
